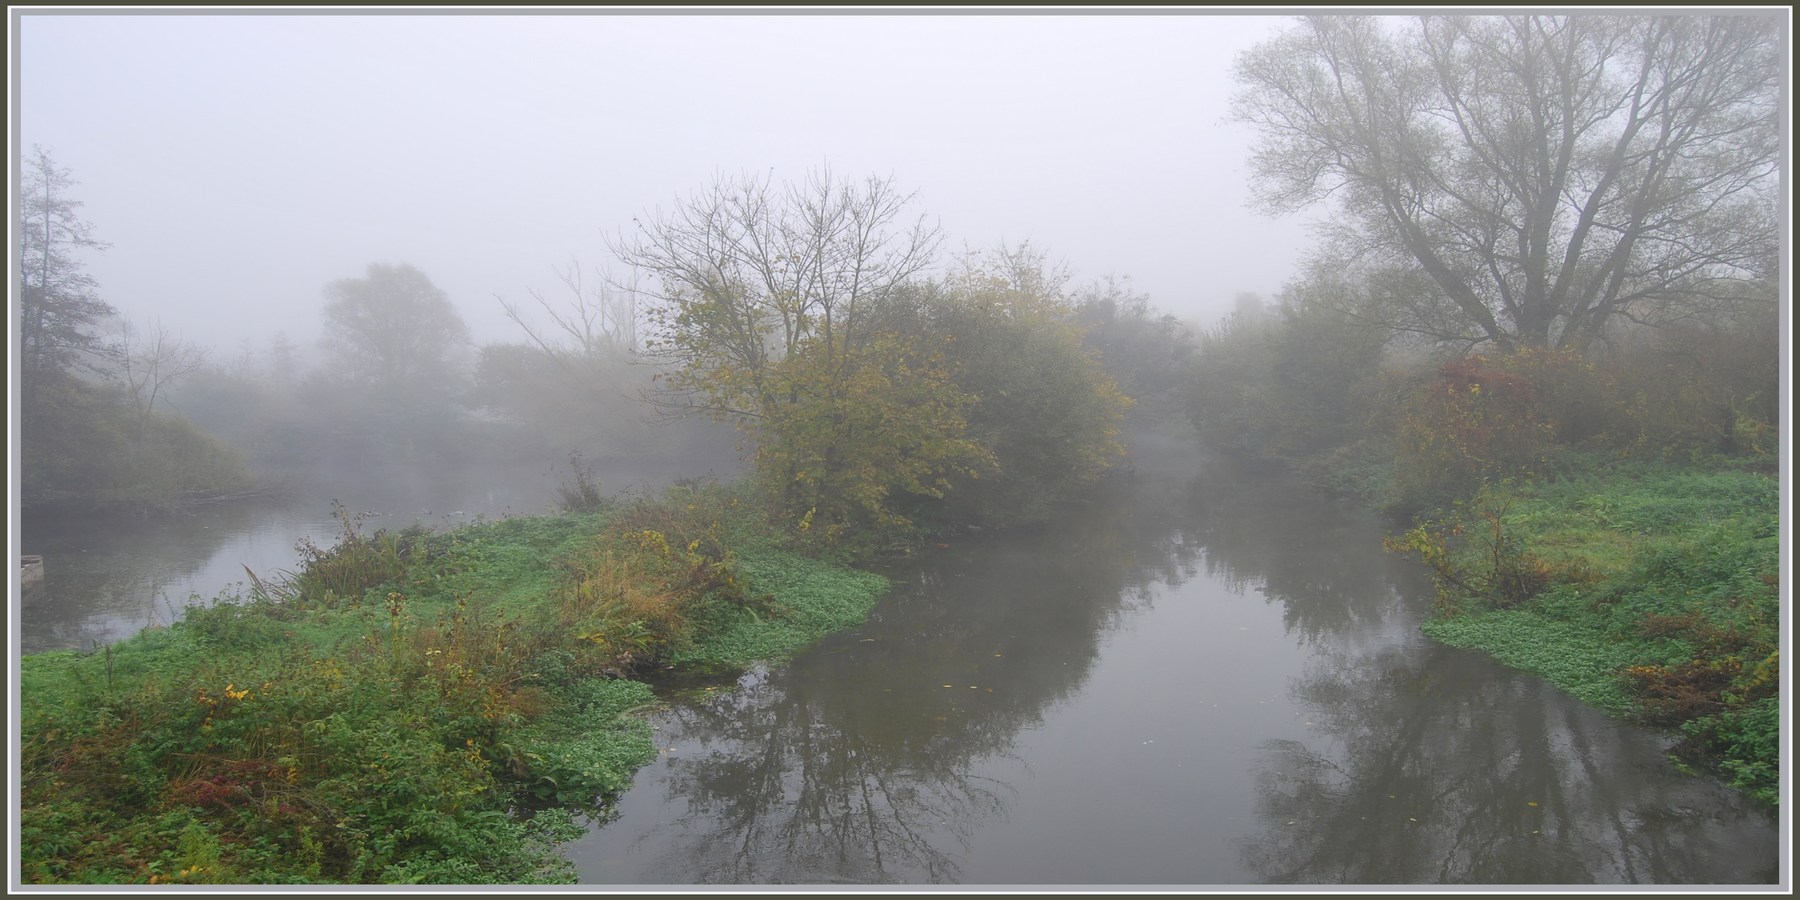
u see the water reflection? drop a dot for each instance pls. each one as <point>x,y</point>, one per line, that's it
<point>1428,765</point>
<point>823,795</point>
<point>871,759</point>
<point>1319,558</point>
<point>143,577</point>
<point>1190,681</point>
<point>1433,767</point>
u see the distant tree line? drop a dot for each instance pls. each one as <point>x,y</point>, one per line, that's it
<point>1552,232</point>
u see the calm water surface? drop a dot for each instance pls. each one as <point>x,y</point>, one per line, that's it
<point>1205,677</point>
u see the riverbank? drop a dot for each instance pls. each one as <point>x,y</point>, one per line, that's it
<point>1649,591</point>
<point>386,714</point>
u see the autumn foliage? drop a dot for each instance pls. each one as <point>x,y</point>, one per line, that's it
<point>1477,421</point>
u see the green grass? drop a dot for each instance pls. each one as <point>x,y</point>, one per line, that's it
<point>410,706</point>
<point>810,600</point>
<point>1662,603</point>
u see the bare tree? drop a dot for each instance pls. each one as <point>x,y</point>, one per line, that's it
<point>603,320</point>
<point>1548,174</point>
<point>743,273</point>
<point>152,360</point>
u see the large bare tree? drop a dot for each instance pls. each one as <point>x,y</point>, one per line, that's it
<point>1548,174</point>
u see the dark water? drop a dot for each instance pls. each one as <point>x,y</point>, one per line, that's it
<point>1205,677</point>
<point>106,579</point>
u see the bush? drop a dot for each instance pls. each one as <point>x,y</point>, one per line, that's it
<point>1475,423</point>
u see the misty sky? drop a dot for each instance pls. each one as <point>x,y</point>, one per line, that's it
<point>237,163</point>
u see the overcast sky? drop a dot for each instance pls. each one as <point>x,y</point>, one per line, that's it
<point>237,163</point>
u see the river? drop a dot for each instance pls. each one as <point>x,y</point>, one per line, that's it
<point>1204,676</point>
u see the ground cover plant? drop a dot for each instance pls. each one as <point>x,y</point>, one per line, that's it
<point>1644,589</point>
<point>409,706</point>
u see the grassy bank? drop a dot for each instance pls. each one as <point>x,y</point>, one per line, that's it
<point>410,706</point>
<point>1648,591</point>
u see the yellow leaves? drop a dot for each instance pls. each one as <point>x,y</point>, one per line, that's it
<point>651,539</point>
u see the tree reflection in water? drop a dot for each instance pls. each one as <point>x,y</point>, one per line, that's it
<point>797,785</point>
<point>868,759</point>
<point>964,732</point>
<point>1434,771</point>
<point>1434,765</point>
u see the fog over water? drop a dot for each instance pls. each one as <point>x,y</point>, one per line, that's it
<point>1136,663</point>
<point>238,162</point>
